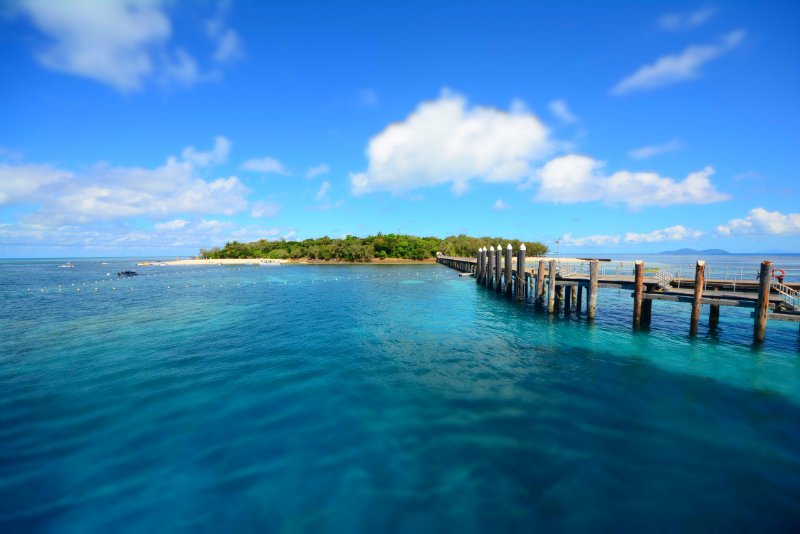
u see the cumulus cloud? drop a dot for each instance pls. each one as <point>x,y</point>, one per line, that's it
<point>759,221</point>
<point>265,165</point>
<point>122,43</point>
<point>676,68</point>
<point>686,20</point>
<point>673,233</point>
<point>499,205</point>
<point>105,192</point>
<point>446,141</point>
<point>323,191</point>
<point>319,170</point>
<point>265,208</point>
<point>569,241</point>
<point>649,151</point>
<point>575,178</point>
<point>560,109</point>
<point>25,183</point>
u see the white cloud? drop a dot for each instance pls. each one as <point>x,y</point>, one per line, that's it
<point>673,233</point>
<point>678,68</point>
<point>104,192</point>
<point>560,109</point>
<point>266,165</point>
<point>446,141</point>
<point>319,170</point>
<point>654,150</point>
<point>499,204</point>
<point>323,191</point>
<point>25,183</point>
<point>762,222</point>
<point>176,224</point>
<point>569,241</point>
<point>574,178</point>
<point>264,208</point>
<point>685,21</point>
<point>122,43</point>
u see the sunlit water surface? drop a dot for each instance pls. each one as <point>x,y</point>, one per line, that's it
<point>373,398</point>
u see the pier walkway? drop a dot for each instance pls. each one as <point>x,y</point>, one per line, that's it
<point>561,288</point>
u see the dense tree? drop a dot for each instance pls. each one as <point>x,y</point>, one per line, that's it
<point>361,249</point>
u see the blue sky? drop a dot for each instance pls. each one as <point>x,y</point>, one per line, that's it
<point>157,128</point>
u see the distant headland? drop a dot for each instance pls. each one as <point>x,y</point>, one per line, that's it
<point>694,252</point>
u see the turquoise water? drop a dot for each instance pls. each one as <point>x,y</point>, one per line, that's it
<point>373,398</point>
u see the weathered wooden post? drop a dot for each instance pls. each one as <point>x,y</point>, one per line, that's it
<point>498,268</point>
<point>573,295</point>
<point>551,287</point>
<point>713,316</point>
<point>591,293</point>
<point>638,290</point>
<point>540,283</point>
<point>762,304</point>
<point>579,303</point>
<point>697,299</point>
<point>490,268</point>
<point>507,274</point>
<point>478,265</point>
<point>520,283</point>
<point>567,301</point>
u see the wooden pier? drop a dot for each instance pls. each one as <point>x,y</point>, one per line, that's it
<point>554,286</point>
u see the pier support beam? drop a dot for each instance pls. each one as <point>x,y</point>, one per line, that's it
<point>638,290</point>
<point>568,301</point>
<point>520,281</point>
<point>713,316</point>
<point>591,293</point>
<point>498,268</point>
<point>579,300</point>
<point>540,283</point>
<point>762,304</point>
<point>697,300</point>
<point>551,287</point>
<point>490,268</point>
<point>508,270</point>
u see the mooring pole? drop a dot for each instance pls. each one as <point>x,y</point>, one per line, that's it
<point>490,268</point>
<point>591,296</point>
<point>540,283</point>
<point>508,279</point>
<point>551,287</point>
<point>762,304</point>
<point>498,268</point>
<point>638,289</point>
<point>697,299</point>
<point>520,285</point>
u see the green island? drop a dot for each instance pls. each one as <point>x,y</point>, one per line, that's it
<point>365,249</point>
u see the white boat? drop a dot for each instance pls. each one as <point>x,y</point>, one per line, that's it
<point>67,265</point>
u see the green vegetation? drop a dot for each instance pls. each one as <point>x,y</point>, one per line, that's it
<point>353,248</point>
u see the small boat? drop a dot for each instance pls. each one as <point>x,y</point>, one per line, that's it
<point>127,273</point>
<point>67,265</point>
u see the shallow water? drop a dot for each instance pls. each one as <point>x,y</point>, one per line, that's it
<point>354,398</point>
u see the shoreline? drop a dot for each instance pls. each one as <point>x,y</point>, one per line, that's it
<point>266,261</point>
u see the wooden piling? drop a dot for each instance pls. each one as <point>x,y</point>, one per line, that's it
<point>697,299</point>
<point>478,266</point>
<point>498,268</point>
<point>572,293</point>
<point>507,273</point>
<point>713,316</point>
<point>520,283</point>
<point>490,268</point>
<point>638,289</point>
<point>762,304</point>
<point>591,293</point>
<point>540,283</point>
<point>579,303</point>
<point>647,313</point>
<point>568,301</point>
<point>559,297</point>
<point>551,287</point>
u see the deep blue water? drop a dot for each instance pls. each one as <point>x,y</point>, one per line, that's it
<point>375,398</point>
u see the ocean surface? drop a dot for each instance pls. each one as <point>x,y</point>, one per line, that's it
<point>379,398</point>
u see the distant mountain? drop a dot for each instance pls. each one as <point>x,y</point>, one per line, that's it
<point>693,252</point>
